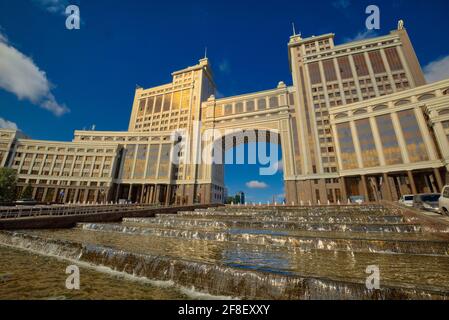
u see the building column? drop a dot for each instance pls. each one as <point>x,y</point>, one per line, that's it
<point>344,193</point>
<point>387,188</point>
<point>86,194</point>
<point>117,192</point>
<point>97,192</point>
<point>75,197</point>
<point>66,193</point>
<point>56,194</point>
<point>364,188</point>
<point>150,194</point>
<point>157,193</point>
<point>130,192</point>
<point>437,175</point>
<point>168,195</point>
<point>412,182</point>
<point>142,194</point>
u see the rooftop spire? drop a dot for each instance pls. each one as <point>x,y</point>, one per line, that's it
<point>294,30</point>
<point>205,53</point>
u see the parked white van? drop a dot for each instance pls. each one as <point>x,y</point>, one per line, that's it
<point>444,201</point>
<point>406,200</point>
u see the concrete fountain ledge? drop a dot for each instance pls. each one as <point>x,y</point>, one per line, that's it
<point>216,279</point>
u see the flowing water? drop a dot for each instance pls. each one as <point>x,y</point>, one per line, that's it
<point>258,253</point>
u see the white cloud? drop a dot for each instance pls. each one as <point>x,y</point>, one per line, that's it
<point>5,124</point>
<point>341,4</point>
<point>224,66</point>
<point>256,185</point>
<point>362,35</point>
<point>53,6</point>
<point>22,77</point>
<point>437,70</point>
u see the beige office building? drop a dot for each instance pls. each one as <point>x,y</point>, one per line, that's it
<point>358,119</point>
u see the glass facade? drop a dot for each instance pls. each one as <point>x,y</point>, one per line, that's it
<point>329,70</point>
<point>164,161</point>
<point>347,150</point>
<point>185,99</point>
<point>129,161</point>
<point>390,145</point>
<point>314,73</point>
<point>412,134</point>
<point>367,145</point>
<point>176,103</point>
<point>377,62</point>
<point>393,59</point>
<point>139,169</point>
<point>360,65</point>
<point>152,161</point>
<point>345,68</point>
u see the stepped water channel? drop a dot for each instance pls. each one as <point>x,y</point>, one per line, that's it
<point>263,252</point>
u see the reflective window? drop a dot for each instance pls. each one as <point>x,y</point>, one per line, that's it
<point>329,70</point>
<point>228,109</point>
<point>185,99</point>
<point>158,105</point>
<point>176,103</point>
<point>314,73</point>
<point>393,59</point>
<point>390,145</point>
<point>367,145</point>
<point>129,161</point>
<point>167,102</point>
<point>150,105</point>
<point>377,62</point>
<point>250,106</point>
<point>164,162</point>
<point>261,104</point>
<point>274,102</point>
<point>239,107</point>
<point>139,168</point>
<point>412,134</point>
<point>347,150</point>
<point>345,67</point>
<point>360,65</point>
<point>152,161</point>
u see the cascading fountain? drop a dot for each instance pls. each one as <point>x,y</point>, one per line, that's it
<point>263,252</point>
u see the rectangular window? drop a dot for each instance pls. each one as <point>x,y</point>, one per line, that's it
<point>412,134</point>
<point>345,67</point>
<point>367,145</point>
<point>158,105</point>
<point>142,103</point>
<point>153,156</point>
<point>167,102</point>
<point>376,62</point>
<point>139,169</point>
<point>129,161</point>
<point>360,65</point>
<point>390,145</point>
<point>393,59</point>
<point>185,99</point>
<point>164,162</point>
<point>176,103</point>
<point>314,73</point>
<point>329,70</point>
<point>347,150</point>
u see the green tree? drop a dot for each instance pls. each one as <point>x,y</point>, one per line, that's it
<point>8,184</point>
<point>27,193</point>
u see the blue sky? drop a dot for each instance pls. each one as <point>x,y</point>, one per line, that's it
<point>87,76</point>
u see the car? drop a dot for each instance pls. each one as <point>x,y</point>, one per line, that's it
<point>26,202</point>
<point>427,202</point>
<point>357,199</point>
<point>407,200</point>
<point>444,201</point>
